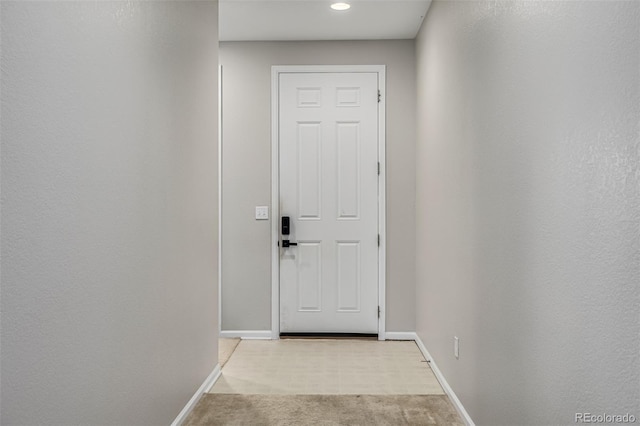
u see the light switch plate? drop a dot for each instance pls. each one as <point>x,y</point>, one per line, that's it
<point>262,212</point>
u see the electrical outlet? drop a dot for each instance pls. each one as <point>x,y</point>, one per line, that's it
<point>262,212</point>
<point>456,347</point>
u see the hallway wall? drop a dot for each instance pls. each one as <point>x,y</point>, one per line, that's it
<point>528,206</point>
<point>109,210</point>
<point>246,178</point>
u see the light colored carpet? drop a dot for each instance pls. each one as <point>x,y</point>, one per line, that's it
<point>264,410</point>
<point>225,349</point>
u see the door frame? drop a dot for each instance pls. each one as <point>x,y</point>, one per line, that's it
<point>276,70</point>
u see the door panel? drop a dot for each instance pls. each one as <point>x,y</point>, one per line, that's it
<point>348,179</point>
<point>309,264</point>
<point>309,168</point>
<point>348,276</point>
<point>328,145</point>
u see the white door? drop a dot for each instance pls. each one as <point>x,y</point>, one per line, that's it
<point>328,144</point>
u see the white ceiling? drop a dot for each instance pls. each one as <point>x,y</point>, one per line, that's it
<point>315,20</point>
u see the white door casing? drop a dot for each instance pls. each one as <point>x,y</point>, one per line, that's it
<point>328,145</point>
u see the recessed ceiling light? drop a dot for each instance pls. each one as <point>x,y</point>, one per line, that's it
<point>340,6</point>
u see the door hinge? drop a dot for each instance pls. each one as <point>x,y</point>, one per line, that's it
<point>379,96</point>
<point>378,311</point>
<point>378,168</point>
<point>378,240</point>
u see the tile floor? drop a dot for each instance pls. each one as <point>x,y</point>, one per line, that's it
<point>226,347</point>
<point>327,367</point>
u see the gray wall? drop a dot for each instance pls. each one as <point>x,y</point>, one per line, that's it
<point>528,206</point>
<point>108,210</point>
<point>246,179</point>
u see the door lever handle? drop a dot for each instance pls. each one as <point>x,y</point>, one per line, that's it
<point>287,243</point>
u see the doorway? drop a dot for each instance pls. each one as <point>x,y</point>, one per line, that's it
<point>328,185</point>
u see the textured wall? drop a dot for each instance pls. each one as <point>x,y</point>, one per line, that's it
<point>108,210</point>
<point>528,206</point>
<point>246,179</point>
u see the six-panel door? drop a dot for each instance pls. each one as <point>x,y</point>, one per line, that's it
<point>328,166</point>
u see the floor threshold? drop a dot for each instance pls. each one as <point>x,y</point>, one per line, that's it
<point>350,336</point>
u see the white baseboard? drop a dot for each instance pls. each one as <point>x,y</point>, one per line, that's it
<point>443,382</point>
<point>247,334</point>
<point>400,335</point>
<point>204,388</point>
